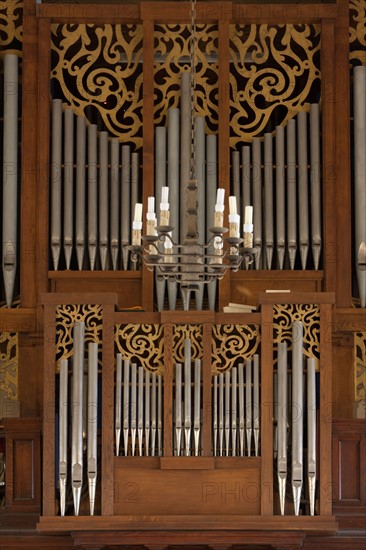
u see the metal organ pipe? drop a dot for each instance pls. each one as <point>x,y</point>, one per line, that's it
<point>80,190</point>
<point>68,184</point>
<point>56,156</point>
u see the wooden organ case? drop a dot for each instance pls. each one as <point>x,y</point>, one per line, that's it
<point>153,495</point>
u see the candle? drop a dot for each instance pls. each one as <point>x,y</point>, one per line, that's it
<point>164,206</point>
<point>137,225</point>
<point>219,208</point>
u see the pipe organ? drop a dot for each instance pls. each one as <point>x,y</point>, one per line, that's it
<point>160,422</point>
<point>238,402</point>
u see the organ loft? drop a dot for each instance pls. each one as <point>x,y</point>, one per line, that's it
<point>183,280</point>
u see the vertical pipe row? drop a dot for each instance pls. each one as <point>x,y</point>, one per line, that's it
<point>295,407</point>
<point>281,177</point>
<point>138,409</point>
<point>83,403</point>
<point>236,405</point>
<point>94,185</point>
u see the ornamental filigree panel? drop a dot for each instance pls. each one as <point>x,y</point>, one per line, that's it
<point>275,73</point>
<point>182,333</point>
<point>172,57</point>
<point>11,26</point>
<point>97,70</point>
<point>233,344</point>
<point>9,365</point>
<point>360,365</point>
<point>357,32</point>
<point>67,316</point>
<point>143,344</point>
<point>309,314</point>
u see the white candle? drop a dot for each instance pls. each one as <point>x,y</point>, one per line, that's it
<point>164,206</point>
<point>219,208</point>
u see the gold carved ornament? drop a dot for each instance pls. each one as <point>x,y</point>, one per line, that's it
<point>9,365</point>
<point>11,26</point>
<point>360,365</point>
<point>233,344</point>
<point>182,333</point>
<point>99,70</point>
<point>172,58</point>
<point>357,32</point>
<point>141,343</point>
<point>273,73</point>
<point>309,315</point>
<point>66,317</point>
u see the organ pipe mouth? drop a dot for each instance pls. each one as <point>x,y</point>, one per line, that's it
<point>361,256</point>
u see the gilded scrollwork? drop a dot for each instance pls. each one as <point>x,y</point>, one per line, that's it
<point>274,74</point>
<point>172,57</point>
<point>9,365</point>
<point>97,69</point>
<point>183,332</point>
<point>357,32</point>
<point>360,365</point>
<point>67,316</point>
<point>11,26</point>
<point>143,343</point>
<point>232,344</point>
<point>309,314</point>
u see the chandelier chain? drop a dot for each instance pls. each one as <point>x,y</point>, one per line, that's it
<point>193,47</point>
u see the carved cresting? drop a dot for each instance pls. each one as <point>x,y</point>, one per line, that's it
<point>357,32</point>
<point>274,74</point>
<point>360,365</point>
<point>233,344</point>
<point>97,70</point>
<point>11,26</point>
<point>309,315</point>
<point>66,317</point>
<point>141,343</point>
<point>172,57</point>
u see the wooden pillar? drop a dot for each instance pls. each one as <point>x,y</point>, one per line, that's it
<point>325,411</point>
<point>329,155</point>
<point>266,380</point>
<point>342,144</point>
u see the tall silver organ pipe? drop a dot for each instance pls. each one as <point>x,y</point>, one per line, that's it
<point>160,182</point>
<point>359,117</point>
<point>125,203</point>
<point>257,201</point>
<point>103,199</point>
<point>297,413</point>
<point>316,233</point>
<point>92,460</point>
<point>201,193</point>
<point>92,194</point>
<point>282,423</point>
<point>268,199</point>
<point>118,401</point>
<point>302,163</point>
<point>114,202</point>
<point>211,189</point>
<point>68,185</point>
<point>56,161</point>
<point>77,414</point>
<point>291,192</point>
<point>80,190</point>
<point>280,196</point>
<point>174,193</point>
<point>63,439</point>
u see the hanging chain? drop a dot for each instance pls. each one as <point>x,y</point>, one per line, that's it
<point>192,47</point>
